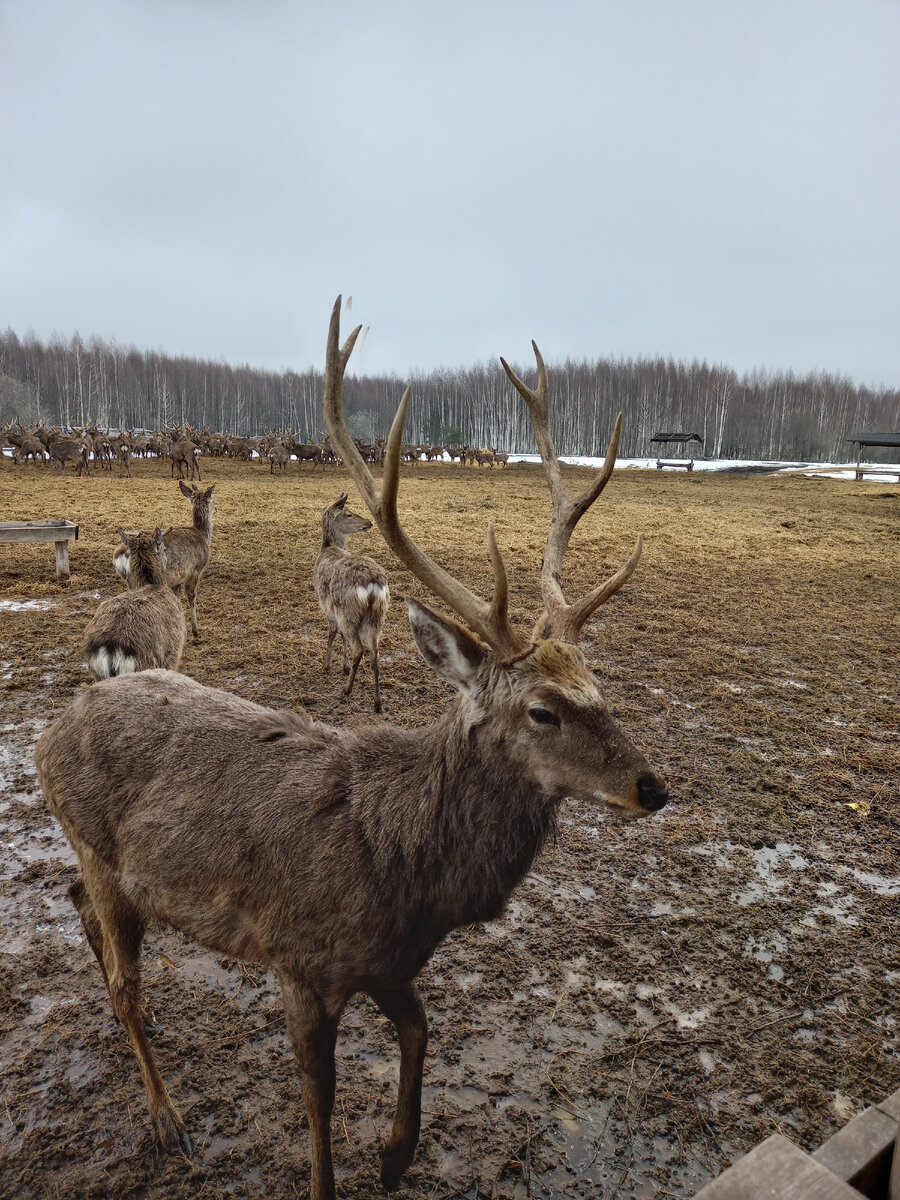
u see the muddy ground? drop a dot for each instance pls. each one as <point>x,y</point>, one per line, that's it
<point>657,998</point>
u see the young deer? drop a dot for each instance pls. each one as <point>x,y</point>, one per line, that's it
<point>341,858</point>
<point>352,591</point>
<point>187,549</point>
<point>144,628</point>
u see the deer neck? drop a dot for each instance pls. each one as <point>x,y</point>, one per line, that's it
<point>466,826</point>
<point>146,570</point>
<point>203,522</point>
<point>333,539</point>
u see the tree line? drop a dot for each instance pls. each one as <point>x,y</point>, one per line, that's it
<point>761,414</point>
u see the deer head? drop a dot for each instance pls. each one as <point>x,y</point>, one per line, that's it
<point>338,521</point>
<point>536,696</point>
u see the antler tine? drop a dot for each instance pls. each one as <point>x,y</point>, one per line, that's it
<point>489,621</point>
<point>560,619</point>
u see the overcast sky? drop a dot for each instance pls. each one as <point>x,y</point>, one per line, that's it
<point>715,179</point>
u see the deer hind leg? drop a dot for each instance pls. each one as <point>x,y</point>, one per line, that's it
<point>79,896</point>
<point>332,634</point>
<point>122,932</point>
<point>403,1007</point>
<point>312,1029</point>
<point>369,635</point>
<point>190,590</point>
<point>357,653</point>
<point>376,707</point>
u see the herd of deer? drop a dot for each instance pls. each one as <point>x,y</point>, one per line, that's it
<point>184,447</point>
<point>339,858</point>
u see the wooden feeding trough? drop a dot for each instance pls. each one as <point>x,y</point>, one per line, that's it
<point>873,439</point>
<point>858,1163</point>
<point>58,532</point>
<point>681,439</point>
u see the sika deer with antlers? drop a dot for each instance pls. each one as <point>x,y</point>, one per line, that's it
<point>341,858</point>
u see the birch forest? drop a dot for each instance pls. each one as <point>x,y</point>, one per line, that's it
<point>760,415</point>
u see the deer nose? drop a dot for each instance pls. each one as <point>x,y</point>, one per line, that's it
<point>652,792</point>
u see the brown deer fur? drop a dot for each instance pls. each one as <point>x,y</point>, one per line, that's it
<point>187,548</point>
<point>352,591</point>
<point>339,858</point>
<point>144,628</point>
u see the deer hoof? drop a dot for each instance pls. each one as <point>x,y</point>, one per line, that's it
<point>394,1161</point>
<point>171,1132</point>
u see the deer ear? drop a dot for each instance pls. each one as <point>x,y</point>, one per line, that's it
<point>124,536</point>
<point>185,490</point>
<point>447,648</point>
<point>157,539</point>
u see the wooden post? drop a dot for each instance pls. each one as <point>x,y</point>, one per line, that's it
<point>62,561</point>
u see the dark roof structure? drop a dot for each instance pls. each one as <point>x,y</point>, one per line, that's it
<point>677,437</point>
<point>875,439</point>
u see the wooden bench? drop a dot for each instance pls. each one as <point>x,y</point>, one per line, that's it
<point>862,470</point>
<point>58,532</point>
<point>855,1163</point>
<point>675,462</point>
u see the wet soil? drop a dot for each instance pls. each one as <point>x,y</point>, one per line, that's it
<point>656,999</point>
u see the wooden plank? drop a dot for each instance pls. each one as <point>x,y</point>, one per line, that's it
<point>37,531</point>
<point>777,1170</point>
<point>861,1152</point>
<point>890,1106</point>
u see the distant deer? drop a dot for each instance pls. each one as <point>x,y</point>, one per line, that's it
<point>501,459</point>
<point>143,628</point>
<point>278,456</point>
<point>341,858</point>
<point>30,447</point>
<point>62,450</point>
<point>352,591</point>
<point>483,457</point>
<point>185,453</point>
<point>187,549</point>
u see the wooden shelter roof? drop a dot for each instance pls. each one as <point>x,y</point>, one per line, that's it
<point>677,437</point>
<point>875,439</point>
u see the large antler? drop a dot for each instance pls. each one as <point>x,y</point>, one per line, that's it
<point>559,619</point>
<point>489,621</point>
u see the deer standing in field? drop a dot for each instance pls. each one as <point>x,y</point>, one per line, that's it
<point>143,628</point>
<point>278,456</point>
<point>185,453</point>
<point>341,858</point>
<point>30,447</point>
<point>187,549</point>
<point>352,591</point>
<point>63,449</point>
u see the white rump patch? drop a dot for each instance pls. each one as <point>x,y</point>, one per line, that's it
<point>107,661</point>
<point>373,591</point>
<point>122,563</point>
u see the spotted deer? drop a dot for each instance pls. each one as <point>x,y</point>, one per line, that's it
<point>352,591</point>
<point>341,858</point>
<point>187,548</point>
<point>143,628</point>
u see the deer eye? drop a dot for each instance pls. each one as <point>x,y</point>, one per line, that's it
<point>543,716</point>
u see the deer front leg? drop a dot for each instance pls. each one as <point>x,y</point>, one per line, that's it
<point>313,1032</point>
<point>403,1007</point>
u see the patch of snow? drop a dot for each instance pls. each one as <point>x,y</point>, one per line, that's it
<point>26,605</point>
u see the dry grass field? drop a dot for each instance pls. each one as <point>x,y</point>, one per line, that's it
<point>658,996</point>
